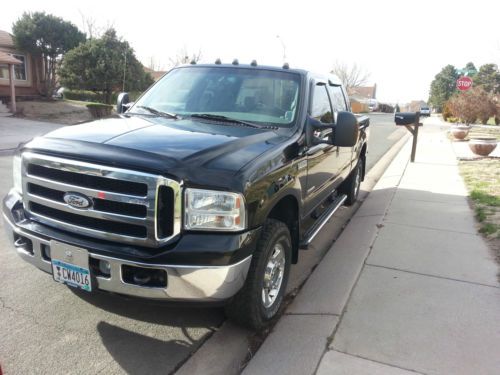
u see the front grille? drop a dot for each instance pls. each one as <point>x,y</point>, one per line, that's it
<point>89,222</point>
<point>102,205</point>
<point>123,205</point>
<point>89,181</point>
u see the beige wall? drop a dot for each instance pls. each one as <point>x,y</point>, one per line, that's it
<point>359,107</point>
<point>26,87</point>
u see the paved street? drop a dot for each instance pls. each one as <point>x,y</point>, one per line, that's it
<point>62,331</point>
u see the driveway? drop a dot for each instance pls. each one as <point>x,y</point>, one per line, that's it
<point>14,131</point>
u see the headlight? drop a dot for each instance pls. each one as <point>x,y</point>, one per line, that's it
<point>214,210</point>
<point>16,174</point>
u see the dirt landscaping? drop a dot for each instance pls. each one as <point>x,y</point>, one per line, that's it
<point>61,111</point>
<point>482,178</point>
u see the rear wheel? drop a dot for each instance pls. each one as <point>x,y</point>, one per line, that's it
<point>258,302</point>
<point>352,185</point>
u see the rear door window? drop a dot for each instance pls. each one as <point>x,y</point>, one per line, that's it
<point>338,99</point>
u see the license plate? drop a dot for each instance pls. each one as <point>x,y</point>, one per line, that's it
<point>70,265</point>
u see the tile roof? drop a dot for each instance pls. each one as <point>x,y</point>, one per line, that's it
<point>6,39</point>
<point>5,58</point>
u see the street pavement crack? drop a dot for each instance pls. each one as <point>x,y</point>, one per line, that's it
<point>29,317</point>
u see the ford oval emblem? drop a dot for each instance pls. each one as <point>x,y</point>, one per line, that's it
<point>77,200</point>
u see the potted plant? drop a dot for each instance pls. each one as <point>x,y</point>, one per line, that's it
<point>482,145</point>
<point>460,131</point>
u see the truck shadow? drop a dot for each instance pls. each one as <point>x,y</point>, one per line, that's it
<point>136,353</point>
<point>156,312</point>
<point>154,347</point>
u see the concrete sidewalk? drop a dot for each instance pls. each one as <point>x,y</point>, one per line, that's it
<point>408,287</point>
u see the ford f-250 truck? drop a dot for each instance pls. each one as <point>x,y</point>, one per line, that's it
<point>204,189</point>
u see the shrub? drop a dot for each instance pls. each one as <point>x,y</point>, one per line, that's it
<point>82,95</point>
<point>472,105</point>
<point>98,110</point>
<point>446,112</point>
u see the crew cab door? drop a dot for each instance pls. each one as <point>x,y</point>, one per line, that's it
<point>344,155</point>
<point>322,159</point>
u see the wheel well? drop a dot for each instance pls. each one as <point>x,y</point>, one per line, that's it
<point>287,211</point>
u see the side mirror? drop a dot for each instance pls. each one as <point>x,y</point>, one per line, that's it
<point>122,103</point>
<point>346,130</point>
<point>406,118</point>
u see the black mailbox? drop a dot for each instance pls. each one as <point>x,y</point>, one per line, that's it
<point>406,118</point>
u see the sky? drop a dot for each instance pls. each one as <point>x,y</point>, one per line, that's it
<point>402,45</point>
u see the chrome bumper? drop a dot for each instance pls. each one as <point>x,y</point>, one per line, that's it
<point>184,283</point>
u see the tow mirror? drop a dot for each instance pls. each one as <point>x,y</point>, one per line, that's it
<point>346,130</point>
<point>123,102</point>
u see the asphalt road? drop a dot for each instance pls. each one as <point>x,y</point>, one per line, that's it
<point>46,327</point>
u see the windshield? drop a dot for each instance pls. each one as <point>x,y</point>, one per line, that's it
<point>252,95</point>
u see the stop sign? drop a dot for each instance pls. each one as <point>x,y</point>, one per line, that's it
<point>464,83</point>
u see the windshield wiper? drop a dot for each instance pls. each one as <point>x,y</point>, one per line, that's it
<point>157,112</point>
<point>221,118</point>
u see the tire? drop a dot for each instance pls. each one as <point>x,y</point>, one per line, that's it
<point>248,307</point>
<point>352,185</point>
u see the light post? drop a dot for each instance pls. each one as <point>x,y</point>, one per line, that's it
<point>124,69</point>
<point>284,47</point>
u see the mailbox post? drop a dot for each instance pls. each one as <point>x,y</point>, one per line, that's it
<point>411,121</point>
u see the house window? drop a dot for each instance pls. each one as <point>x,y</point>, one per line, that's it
<point>19,70</point>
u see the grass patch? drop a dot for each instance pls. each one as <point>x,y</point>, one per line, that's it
<point>489,229</point>
<point>482,178</point>
<point>483,198</point>
<point>485,132</point>
<point>480,214</point>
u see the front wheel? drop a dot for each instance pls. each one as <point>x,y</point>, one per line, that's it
<point>258,302</point>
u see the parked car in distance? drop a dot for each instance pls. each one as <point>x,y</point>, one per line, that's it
<point>203,190</point>
<point>425,111</point>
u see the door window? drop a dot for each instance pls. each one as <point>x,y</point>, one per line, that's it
<point>321,109</point>
<point>338,100</point>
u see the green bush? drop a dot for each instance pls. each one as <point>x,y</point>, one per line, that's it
<point>98,110</point>
<point>90,96</point>
<point>82,95</point>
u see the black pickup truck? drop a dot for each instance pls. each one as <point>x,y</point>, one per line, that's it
<point>202,190</point>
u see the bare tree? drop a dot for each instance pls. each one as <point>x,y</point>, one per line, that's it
<point>92,28</point>
<point>350,75</point>
<point>155,64</point>
<point>184,56</point>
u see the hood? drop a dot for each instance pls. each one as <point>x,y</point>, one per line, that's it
<point>184,144</point>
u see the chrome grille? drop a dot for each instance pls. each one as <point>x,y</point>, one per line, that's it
<point>124,203</point>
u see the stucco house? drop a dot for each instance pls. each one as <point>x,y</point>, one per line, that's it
<point>26,77</point>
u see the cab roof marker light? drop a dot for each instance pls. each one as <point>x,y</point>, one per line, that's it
<point>253,63</point>
<point>193,62</point>
<point>286,66</point>
<point>235,62</point>
<point>218,62</point>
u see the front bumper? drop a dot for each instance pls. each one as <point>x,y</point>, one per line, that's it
<point>204,283</point>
